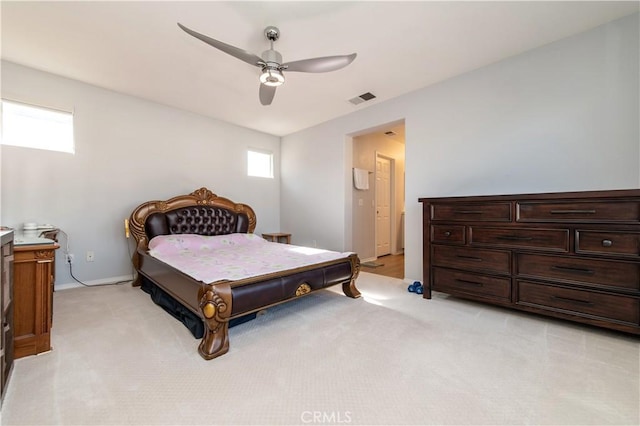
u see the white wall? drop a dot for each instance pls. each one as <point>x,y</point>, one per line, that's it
<point>127,151</point>
<point>562,117</point>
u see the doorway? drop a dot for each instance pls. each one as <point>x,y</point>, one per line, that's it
<point>377,231</point>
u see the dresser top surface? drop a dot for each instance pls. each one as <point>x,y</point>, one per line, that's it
<point>608,194</point>
<point>21,240</point>
<point>6,236</point>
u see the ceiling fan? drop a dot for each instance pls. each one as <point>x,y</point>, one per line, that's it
<point>271,61</point>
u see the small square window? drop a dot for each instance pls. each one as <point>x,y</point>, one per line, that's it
<point>259,164</point>
<point>34,127</point>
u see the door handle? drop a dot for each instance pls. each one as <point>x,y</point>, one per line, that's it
<point>573,269</point>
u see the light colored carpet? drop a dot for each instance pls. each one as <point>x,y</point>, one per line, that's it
<point>387,358</point>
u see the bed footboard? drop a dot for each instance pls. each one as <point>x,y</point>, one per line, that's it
<point>217,305</point>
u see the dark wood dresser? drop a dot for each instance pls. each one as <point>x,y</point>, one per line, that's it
<point>6,313</point>
<point>572,255</point>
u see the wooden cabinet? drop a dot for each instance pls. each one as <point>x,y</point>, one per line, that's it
<point>6,310</point>
<point>572,255</point>
<point>33,298</point>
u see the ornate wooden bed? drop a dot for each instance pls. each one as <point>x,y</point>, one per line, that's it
<point>217,303</point>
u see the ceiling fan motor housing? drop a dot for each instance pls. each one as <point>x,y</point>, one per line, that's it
<point>271,70</point>
<point>272,57</point>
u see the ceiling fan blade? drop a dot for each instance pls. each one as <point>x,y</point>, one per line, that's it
<point>266,94</point>
<point>243,55</point>
<point>324,64</point>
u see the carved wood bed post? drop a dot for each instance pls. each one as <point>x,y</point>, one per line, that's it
<point>215,306</point>
<point>349,288</point>
<point>135,259</point>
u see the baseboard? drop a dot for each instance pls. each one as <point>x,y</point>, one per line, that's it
<point>75,284</point>
<point>368,259</point>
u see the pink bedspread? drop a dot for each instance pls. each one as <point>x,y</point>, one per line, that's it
<point>233,256</point>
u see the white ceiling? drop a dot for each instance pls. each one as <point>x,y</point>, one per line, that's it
<point>137,48</point>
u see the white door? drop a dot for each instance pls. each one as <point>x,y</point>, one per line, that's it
<point>383,206</point>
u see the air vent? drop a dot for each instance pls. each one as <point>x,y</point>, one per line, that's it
<point>362,98</point>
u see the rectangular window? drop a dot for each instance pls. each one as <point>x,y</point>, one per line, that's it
<point>35,127</point>
<point>259,163</point>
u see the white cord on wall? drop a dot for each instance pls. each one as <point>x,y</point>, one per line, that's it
<point>67,260</point>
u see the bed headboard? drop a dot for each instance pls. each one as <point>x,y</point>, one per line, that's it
<point>201,212</point>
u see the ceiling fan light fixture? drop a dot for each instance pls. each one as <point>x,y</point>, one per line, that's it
<point>271,77</point>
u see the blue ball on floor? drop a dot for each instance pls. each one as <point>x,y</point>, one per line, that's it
<point>415,287</point>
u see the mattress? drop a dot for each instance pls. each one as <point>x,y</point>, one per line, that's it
<point>234,256</point>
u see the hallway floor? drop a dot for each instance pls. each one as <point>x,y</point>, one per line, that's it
<point>392,266</point>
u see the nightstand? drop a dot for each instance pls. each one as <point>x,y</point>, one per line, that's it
<point>277,237</point>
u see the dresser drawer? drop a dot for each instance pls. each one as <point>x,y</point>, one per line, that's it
<point>447,234</point>
<point>610,243</point>
<point>469,284</point>
<point>473,212</point>
<point>579,302</point>
<point>473,259</point>
<point>586,211</point>
<point>44,255</point>
<point>601,273</point>
<point>532,238</point>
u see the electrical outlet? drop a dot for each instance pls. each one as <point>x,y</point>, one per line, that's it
<point>69,257</point>
<point>90,256</point>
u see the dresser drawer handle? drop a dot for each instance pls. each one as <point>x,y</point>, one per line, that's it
<point>468,211</point>
<point>573,269</point>
<point>607,243</point>
<point>514,238</point>
<point>6,326</point>
<point>473,283</point>
<point>572,212</point>
<point>477,259</point>
<point>568,299</point>
<point>447,233</point>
